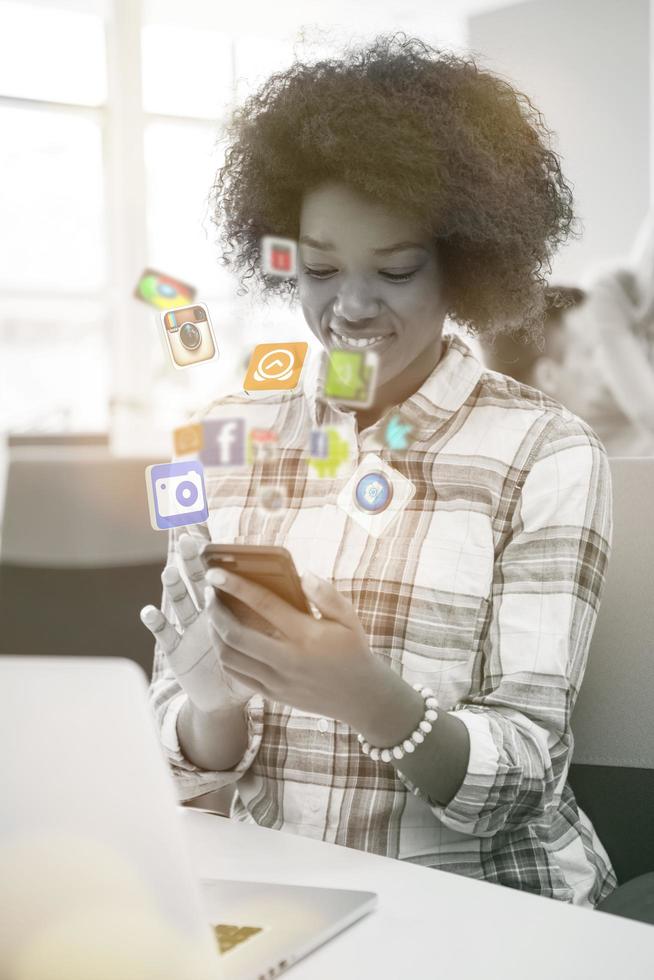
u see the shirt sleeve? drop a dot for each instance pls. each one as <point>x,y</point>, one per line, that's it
<point>167,698</point>
<point>548,579</point>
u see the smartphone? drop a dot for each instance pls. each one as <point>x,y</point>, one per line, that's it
<point>268,566</point>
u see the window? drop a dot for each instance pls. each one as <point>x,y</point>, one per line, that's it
<point>187,71</point>
<point>101,180</point>
<point>78,350</point>
<point>72,69</point>
<point>51,201</point>
<point>54,372</point>
<point>181,163</point>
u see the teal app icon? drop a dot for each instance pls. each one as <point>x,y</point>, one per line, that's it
<point>397,432</point>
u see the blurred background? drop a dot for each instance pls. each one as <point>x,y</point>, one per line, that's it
<point>110,111</point>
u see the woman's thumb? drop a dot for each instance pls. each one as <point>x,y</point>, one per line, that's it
<point>327,598</point>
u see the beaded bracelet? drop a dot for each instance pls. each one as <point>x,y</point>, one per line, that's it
<point>415,738</point>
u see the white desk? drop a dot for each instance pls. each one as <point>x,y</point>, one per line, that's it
<point>428,923</point>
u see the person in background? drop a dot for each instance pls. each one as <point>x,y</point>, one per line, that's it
<point>596,353</point>
<point>616,322</point>
<point>557,363</point>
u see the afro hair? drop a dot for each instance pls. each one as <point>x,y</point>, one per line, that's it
<point>423,131</point>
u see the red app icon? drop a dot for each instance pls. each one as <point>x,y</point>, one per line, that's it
<point>279,257</point>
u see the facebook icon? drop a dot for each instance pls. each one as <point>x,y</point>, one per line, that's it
<point>224,442</point>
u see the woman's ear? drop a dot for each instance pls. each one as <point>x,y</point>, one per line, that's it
<point>546,375</point>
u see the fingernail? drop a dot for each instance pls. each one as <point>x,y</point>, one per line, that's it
<point>216,576</point>
<point>170,575</point>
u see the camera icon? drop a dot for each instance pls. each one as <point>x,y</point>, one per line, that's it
<point>176,494</point>
<point>373,493</point>
<point>189,335</point>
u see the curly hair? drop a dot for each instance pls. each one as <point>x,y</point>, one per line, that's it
<point>423,131</point>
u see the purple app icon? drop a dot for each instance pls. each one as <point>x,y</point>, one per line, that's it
<point>319,444</point>
<point>176,494</point>
<point>224,442</point>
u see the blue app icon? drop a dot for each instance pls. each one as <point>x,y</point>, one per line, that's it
<point>373,493</point>
<point>224,442</point>
<point>176,494</point>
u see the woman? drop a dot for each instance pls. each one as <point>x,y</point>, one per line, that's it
<point>417,185</point>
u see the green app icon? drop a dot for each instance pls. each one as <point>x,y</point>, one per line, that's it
<point>351,377</point>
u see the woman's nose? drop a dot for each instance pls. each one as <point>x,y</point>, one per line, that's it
<point>355,302</point>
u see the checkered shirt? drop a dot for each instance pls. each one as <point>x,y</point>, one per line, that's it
<point>486,587</point>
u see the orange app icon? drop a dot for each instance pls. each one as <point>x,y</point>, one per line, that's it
<point>275,367</point>
<point>188,439</point>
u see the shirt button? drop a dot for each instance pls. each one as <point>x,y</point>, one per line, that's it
<point>323,725</point>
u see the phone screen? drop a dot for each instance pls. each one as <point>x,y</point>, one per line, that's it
<point>273,568</point>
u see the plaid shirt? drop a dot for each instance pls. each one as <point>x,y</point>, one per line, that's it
<point>486,588</point>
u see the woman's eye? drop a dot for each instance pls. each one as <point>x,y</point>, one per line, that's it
<point>399,276</point>
<point>327,272</point>
<point>319,273</point>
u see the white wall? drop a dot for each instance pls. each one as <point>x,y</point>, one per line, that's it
<point>585,64</point>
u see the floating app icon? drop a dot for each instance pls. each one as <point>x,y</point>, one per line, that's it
<point>275,367</point>
<point>176,494</point>
<point>189,335</point>
<point>162,291</point>
<point>373,492</point>
<point>375,495</point>
<point>329,450</point>
<point>279,257</point>
<point>224,442</point>
<point>262,445</point>
<point>351,377</point>
<point>397,432</point>
<point>188,440</point>
<point>271,500</point>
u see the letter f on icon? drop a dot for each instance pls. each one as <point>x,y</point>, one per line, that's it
<point>225,441</point>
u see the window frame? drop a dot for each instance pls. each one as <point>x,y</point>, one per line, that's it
<point>122,120</point>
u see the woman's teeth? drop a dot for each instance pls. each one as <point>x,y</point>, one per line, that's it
<point>358,341</point>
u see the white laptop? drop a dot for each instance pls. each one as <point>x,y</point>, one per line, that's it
<point>95,878</point>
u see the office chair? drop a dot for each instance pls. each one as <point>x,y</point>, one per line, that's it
<point>612,774</point>
<point>78,557</point>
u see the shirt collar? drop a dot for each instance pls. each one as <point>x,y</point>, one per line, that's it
<point>440,395</point>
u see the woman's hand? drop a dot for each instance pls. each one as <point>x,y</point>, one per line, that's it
<point>193,653</point>
<point>323,666</point>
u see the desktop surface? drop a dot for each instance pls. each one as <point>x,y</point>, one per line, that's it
<point>426,920</point>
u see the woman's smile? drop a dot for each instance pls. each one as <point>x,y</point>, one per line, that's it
<point>340,338</point>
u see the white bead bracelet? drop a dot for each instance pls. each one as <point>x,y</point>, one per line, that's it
<point>415,738</point>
